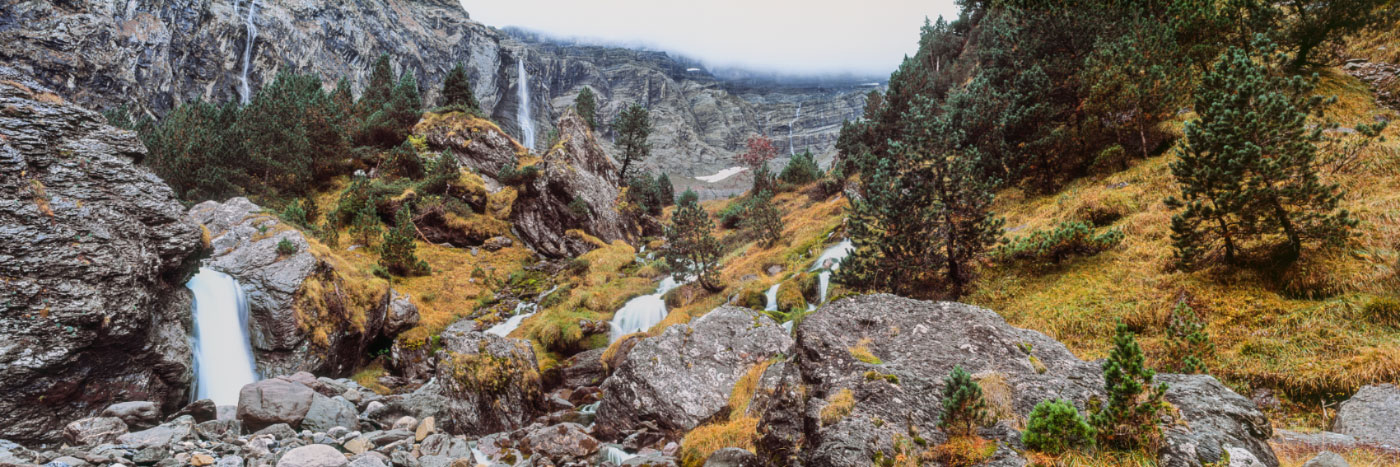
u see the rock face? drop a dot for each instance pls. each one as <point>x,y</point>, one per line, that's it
<point>307,315</point>
<point>492,383</point>
<point>93,254</point>
<point>830,406</point>
<point>685,375</point>
<point>160,53</point>
<point>1371,416</point>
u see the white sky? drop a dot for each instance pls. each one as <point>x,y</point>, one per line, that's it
<point>787,36</point>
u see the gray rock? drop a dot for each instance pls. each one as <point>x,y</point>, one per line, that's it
<point>491,383</point>
<point>138,415</point>
<point>403,314</point>
<point>561,443</point>
<point>369,460</point>
<point>202,410</point>
<point>326,413</point>
<point>1327,459</point>
<point>443,445</point>
<point>1371,416</point>
<point>94,431</point>
<point>229,461</point>
<point>273,401</point>
<point>385,438</point>
<point>150,455</point>
<point>315,455</point>
<point>732,457</point>
<point>218,430</point>
<point>1318,440</point>
<point>165,434</point>
<point>1216,419</point>
<point>584,369</point>
<point>277,431</point>
<point>406,423</point>
<point>94,251</point>
<point>685,375</point>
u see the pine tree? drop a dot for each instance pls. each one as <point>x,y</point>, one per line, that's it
<point>633,127</point>
<point>587,105</point>
<point>1247,172</point>
<point>763,219</point>
<point>801,169</point>
<point>963,406</point>
<point>396,253</point>
<point>365,226</point>
<point>1188,344</point>
<point>691,248</point>
<point>1128,420</point>
<point>457,90</point>
<point>1055,427</point>
<point>665,192</point>
<point>380,88</point>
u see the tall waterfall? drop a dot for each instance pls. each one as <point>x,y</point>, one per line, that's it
<point>522,113</point>
<point>792,151</point>
<point>641,313</point>
<point>223,356</point>
<point>243,89</point>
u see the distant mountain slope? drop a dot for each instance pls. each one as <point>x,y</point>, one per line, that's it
<point>155,55</point>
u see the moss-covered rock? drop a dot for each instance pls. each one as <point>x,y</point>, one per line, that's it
<point>492,383</point>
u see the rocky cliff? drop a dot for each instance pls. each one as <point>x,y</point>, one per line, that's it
<point>93,252</point>
<point>155,55</point>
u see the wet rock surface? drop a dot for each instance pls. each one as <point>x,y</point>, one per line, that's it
<point>94,252</point>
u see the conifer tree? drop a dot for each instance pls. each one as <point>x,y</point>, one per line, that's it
<point>396,253</point>
<point>763,219</point>
<point>633,127</point>
<point>1247,172</point>
<point>665,192</point>
<point>964,409</point>
<point>365,226</point>
<point>587,105</point>
<point>380,88</point>
<point>1188,344</point>
<point>457,90</point>
<point>1128,420</point>
<point>691,248</point>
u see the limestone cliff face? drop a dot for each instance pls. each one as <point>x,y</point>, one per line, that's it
<point>156,54</point>
<point>93,252</point>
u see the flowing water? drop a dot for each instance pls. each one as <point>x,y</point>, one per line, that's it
<point>244,91</point>
<point>522,310</point>
<point>772,296</point>
<point>830,261</point>
<point>792,151</point>
<point>617,456</point>
<point>522,113</point>
<point>641,313</point>
<point>223,356</point>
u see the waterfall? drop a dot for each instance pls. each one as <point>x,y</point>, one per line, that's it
<point>641,313</point>
<point>792,151</point>
<point>772,296</point>
<point>246,94</point>
<point>522,310</point>
<point>832,255</point>
<point>522,113</point>
<point>617,456</point>
<point>223,357</point>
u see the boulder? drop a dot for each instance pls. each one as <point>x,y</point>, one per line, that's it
<point>1216,421</point>
<point>160,436</point>
<point>305,314</point>
<point>94,431</point>
<point>685,375</point>
<point>834,404</point>
<point>584,369</point>
<point>315,455</point>
<point>561,443</point>
<point>402,313</point>
<point>1371,416</point>
<point>492,383</point>
<point>444,445</point>
<point>327,412</point>
<point>202,410</point>
<point>1327,459</point>
<point>272,401</point>
<point>94,251</point>
<point>138,415</point>
<point>218,430</point>
<point>732,457</point>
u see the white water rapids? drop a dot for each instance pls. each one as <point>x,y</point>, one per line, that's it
<point>223,356</point>
<point>522,113</point>
<point>641,313</point>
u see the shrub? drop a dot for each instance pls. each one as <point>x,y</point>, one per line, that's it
<point>1053,246</point>
<point>294,214</point>
<point>366,224</point>
<point>285,247</point>
<point>689,196</point>
<point>963,407</point>
<point>579,208</point>
<point>1128,420</point>
<point>1187,341</point>
<point>510,175</point>
<point>831,184</point>
<point>733,214</point>
<point>801,170</point>
<point>1383,310</point>
<point>1055,427</point>
<point>397,252</point>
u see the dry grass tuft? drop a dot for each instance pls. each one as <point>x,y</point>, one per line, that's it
<point>838,406</point>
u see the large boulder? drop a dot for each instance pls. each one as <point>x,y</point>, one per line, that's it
<point>138,415</point>
<point>1371,416</point>
<point>94,431</point>
<point>867,371</point>
<point>94,250</point>
<point>306,313</point>
<point>492,383</point>
<point>315,455</point>
<point>686,375</point>
<point>272,401</point>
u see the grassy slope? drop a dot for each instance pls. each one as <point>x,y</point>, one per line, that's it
<point>1321,347</point>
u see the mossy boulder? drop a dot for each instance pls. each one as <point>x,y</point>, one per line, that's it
<point>492,383</point>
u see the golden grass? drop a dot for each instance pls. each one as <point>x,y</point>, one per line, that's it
<point>368,377</point>
<point>1097,458</point>
<point>1290,455</point>
<point>964,451</point>
<point>838,406</point>
<point>861,351</point>
<point>739,431</point>
<point>998,395</point>
<point>1378,44</point>
<point>1266,329</point>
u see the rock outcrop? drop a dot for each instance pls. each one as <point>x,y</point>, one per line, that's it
<point>685,375</point>
<point>155,55</point>
<point>836,402</point>
<point>93,254</point>
<point>492,383</point>
<point>309,311</point>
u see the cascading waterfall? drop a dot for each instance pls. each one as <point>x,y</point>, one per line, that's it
<point>223,356</point>
<point>617,456</point>
<point>243,89</point>
<point>522,114</point>
<point>772,296</point>
<point>792,150</point>
<point>641,313</point>
<point>522,310</point>
<point>832,255</point>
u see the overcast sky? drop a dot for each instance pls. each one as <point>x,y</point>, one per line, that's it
<point>788,36</point>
